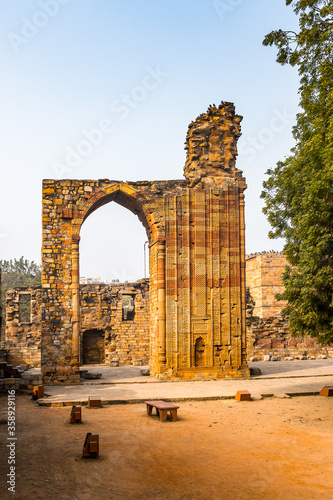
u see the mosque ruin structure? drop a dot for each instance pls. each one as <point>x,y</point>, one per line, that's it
<point>195,228</point>
<point>114,327</point>
<point>189,320</point>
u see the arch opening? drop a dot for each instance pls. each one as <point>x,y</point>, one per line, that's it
<point>114,296</point>
<point>112,245</point>
<point>121,198</point>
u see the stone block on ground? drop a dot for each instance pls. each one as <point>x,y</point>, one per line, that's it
<point>243,396</point>
<point>326,391</point>
<point>254,372</point>
<point>145,371</point>
<point>94,402</point>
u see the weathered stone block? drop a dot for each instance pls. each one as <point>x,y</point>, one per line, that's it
<point>326,391</point>
<point>243,396</point>
<point>94,402</point>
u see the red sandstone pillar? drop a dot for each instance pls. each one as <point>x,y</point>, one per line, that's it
<point>242,278</point>
<point>161,319</point>
<point>75,301</point>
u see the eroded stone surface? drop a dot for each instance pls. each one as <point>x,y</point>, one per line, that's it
<point>211,145</point>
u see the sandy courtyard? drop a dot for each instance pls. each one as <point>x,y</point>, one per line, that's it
<point>266,449</point>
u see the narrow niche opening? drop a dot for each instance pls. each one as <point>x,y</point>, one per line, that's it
<point>128,308</point>
<point>25,308</point>
<point>200,352</point>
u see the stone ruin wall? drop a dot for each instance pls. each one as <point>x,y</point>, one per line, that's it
<point>268,331</point>
<point>196,232</point>
<point>125,341</point>
<point>23,338</point>
<point>126,329</point>
<point>264,279</point>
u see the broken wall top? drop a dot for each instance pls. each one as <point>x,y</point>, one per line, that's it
<point>211,145</point>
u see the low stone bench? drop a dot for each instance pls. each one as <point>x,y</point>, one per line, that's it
<point>162,409</point>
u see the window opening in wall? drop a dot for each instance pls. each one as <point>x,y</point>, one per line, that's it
<point>128,308</point>
<point>25,308</point>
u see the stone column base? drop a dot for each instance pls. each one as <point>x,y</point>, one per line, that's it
<point>199,373</point>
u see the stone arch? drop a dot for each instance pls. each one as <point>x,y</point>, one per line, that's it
<point>129,198</point>
<point>125,196</point>
<point>66,205</point>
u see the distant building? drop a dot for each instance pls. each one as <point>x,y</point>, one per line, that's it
<point>89,281</point>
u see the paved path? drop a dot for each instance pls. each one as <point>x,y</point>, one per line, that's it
<point>127,385</point>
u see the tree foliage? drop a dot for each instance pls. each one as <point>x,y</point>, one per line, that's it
<point>18,272</point>
<point>299,191</point>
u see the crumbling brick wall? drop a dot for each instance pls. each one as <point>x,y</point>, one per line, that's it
<point>268,332</point>
<point>23,334</point>
<point>271,336</point>
<point>126,339</point>
<point>125,329</point>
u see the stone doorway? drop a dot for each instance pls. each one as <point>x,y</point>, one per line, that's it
<point>93,347</point>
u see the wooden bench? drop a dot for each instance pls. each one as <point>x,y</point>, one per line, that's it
<point>162,409</point>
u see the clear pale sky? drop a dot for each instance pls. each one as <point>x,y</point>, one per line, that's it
<point>150,67</point>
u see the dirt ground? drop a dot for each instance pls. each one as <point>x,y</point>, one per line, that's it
<point>266,449</point>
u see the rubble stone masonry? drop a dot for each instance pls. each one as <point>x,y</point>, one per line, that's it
<point>114,326</point>
<point>268,332</point>
<point>23,335</point>
<point>123,329</point>
<point>195,315</point>
<point>125,336</point>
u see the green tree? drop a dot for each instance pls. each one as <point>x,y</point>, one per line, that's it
<point>18,272</point>
<point>299,191</point>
